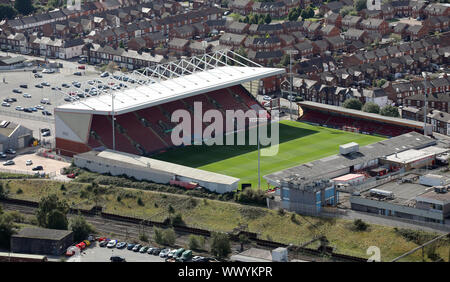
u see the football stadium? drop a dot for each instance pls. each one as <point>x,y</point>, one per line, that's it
<point>136,120</point>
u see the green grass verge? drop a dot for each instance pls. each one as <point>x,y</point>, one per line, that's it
<point>225,216</point>
<point>299,143</point>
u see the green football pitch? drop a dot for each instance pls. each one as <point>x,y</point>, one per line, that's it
<point>299,143</point>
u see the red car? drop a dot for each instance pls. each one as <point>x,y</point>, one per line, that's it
<point>101,239</point>
<point>81,67</point>
<point>71,175</point>
<point>81,246</point>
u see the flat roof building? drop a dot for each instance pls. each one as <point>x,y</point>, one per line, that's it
<point>41,241</point>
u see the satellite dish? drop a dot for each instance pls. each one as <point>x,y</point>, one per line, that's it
<point>373,5</point>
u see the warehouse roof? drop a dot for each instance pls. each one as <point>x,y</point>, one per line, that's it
<point>319,169</point>
<point>42,233</point>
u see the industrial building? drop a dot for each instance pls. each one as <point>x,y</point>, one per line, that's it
<point>41,241</point>
<point>407,199</point>
<point>143,168</point>
<point>14,136</point>
<point>309,187</point>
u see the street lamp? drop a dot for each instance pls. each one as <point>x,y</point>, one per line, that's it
<point>291,52</point>
<point>425,76</point>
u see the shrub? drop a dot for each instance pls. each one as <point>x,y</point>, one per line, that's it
<point>251,196</point>
<point>353,103</point>
<point>19,191</point>
<point>143,237</point>
<point>196,242</point>
<point>281,212</point>
<point>360,225</point>
<point>220,244</point>
<point>140,202</point>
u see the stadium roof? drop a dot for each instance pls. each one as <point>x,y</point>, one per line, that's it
<point>321,169</point>
<point>361,114</point>
<point>172,81</point>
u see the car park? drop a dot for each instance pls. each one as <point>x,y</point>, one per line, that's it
<point>9,162</point>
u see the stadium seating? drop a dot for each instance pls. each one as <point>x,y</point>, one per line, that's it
<point>151,127</point>
<point>366,126</point>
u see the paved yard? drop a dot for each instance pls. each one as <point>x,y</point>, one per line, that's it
<point>98,254</point>
<point>49,165</point>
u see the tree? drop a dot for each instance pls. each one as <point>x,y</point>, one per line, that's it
<point>285,60</point>
<point>45,212</point>
<point>243,239</point>
<point>57,220</point>
<point>196,242</point>
<point>7,12</point>
<point>169,236</point>
<point>293,15</point>
<point>220,244</point>
<point>360,4</point>
<point>7,229</point>
<point>3,191</point>
<point>371,107</point>
<point>389,111</point>
<point>81,228</point>
<point>352,103</point>
<point>24,7</point>
<point>345,10</point>
<point>268,19</point>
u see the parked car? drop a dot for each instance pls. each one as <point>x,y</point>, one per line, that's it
<point>71,175</point>
<point>23,86</point>
<point>10,162</point>
<point>121,245</point>
<point>103,243</point>
<point>39,86</point>
<point>28,110</point>
<point>111,244</point>
<point>178,253</point>
<point>17,91</point>
<point>156,251</point>
<point>29,162</point>
<point>3,155</point>
<point>46,113</point>
<point>105,74</point>
<point>45,84</point>
<point>46,134</point>
<point>87,242</point>
<point>10,151</point>
<point>36,75</point>
<point>187,255</point>
<point>48,71</point>
<point>26,95</point>
<point>137,247</point>
<point>171,253</point>
<point>81,67</point>
<point>65,85</point>
<point>117,259</point>
<point>19,108</point>
<point>39,167</point>
<point>143,249</point>
<point>130,246</point>
<point>164,253</point>
<point>5,104</point>
<point>266,98</point>
<point>81,246</point>
<point>77,73</point>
